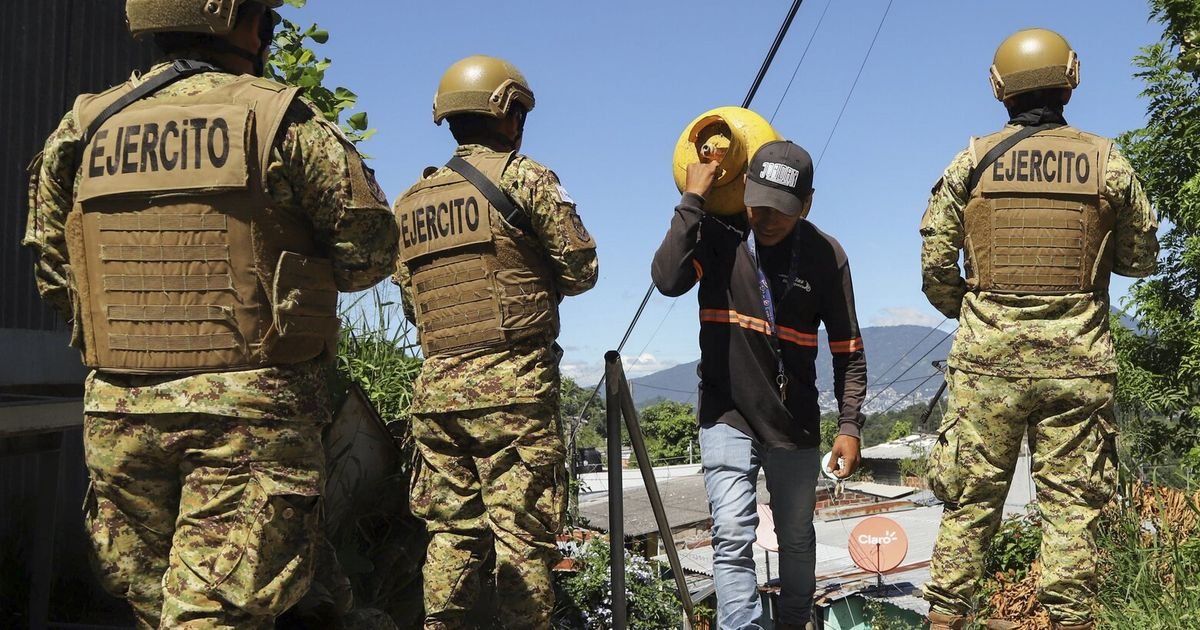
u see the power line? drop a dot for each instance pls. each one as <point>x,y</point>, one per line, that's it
<point>855,84</point>
<point>910,351</point>
<point>914,364</point>
<point>799,63</point>
<point>910,393</point>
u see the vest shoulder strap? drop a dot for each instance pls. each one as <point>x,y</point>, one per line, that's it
<point>495,196</point>
<point>1001,148</point>
<point>122,98</point>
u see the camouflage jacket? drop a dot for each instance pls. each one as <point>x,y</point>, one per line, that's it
<point>525,373</point>
<point>1030,335</point>
<point>308,175</point>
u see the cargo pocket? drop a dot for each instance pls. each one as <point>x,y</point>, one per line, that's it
<point>524,299</point>
<point>945,476</point>
<point>267,562</point>
<point>545,493</point>
<point>304,309</point>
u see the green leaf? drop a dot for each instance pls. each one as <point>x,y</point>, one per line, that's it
<point>358,121</point>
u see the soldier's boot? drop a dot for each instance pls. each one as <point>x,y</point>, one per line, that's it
<point>1090,625</point>
<point>942,621</point>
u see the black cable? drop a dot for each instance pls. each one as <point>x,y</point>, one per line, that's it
<point>910,351</point>
<point>915,364</point>
<point>910,393</point>
<point>801,62</point>
<point>762,71</point>
<point>855,84</point>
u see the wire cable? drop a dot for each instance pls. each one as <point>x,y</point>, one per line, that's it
<point>886,10</point>
<point>910,393</point>
<point>906,370</point>
<point>910,351</point>
<point>801,62</point>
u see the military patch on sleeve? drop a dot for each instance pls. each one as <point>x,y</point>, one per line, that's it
<point>562,194</point>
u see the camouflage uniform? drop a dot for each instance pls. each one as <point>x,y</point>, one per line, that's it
<point>1035,365</point>
<point>486,423</point>
<point>206,488</point>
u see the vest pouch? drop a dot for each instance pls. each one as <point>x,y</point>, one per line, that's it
<point>304,309</point>
<point>525,300</point>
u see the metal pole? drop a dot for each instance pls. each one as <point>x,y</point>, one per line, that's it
<point>660,514</point>
<point>614,375</point>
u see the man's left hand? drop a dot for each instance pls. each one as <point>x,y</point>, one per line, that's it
<point>847,449</point>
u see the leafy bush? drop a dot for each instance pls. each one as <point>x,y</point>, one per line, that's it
<point>585,597</point>
<point>1015,546</point>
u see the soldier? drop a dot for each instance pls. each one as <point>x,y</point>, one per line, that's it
<point>1044,213</point>
<point>196,224</point>
<point>768,280</point>
<point>489,245</point>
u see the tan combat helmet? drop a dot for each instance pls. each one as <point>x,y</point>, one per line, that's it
<point>480,85</point>
<point>214,17</point>
<point>1033,59</point>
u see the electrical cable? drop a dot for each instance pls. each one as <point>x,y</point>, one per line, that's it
<point>910,392</point>
<point>801,62</point>
<point>906,370</point>
<point>855,84</point>
<point>910,351</point>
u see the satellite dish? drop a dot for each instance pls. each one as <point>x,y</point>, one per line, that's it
<point>878,544</point>
<point>765,536</point>
<point>825,466</point>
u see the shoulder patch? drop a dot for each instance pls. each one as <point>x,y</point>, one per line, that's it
<point>562,194</point>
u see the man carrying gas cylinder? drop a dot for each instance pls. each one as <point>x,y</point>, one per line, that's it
<point>768,279</point>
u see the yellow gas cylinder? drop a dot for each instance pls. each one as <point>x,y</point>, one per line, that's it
<point>729,135</point>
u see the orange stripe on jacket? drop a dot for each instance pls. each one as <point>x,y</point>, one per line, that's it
<point>853,345</point>
<point>718,316</point>
<point>699,268</point>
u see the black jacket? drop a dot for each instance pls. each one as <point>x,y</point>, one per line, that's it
<point>738,358</point>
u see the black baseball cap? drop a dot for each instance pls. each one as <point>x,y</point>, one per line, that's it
<point>780,176</point>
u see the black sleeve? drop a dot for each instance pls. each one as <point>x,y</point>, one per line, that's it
<point>846,345</point>
<point>677,265</point>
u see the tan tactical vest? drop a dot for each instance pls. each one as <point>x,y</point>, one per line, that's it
<point>179,259</point>
<point>1038,222</point>
<point>476,283</point>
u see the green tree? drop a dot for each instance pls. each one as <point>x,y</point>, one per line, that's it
<point>590,429</point>
<point>1159,366</point>
<point>902,428</point>
<point>670,430</point>
<point>294,63</point>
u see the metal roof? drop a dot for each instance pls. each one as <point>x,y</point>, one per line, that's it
<point>907,447</point>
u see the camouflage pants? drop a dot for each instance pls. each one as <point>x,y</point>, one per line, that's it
<point>1069,425</point>
<point>490,481</point>
<point>203,521</point>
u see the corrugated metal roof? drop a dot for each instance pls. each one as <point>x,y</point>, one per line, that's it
<point>880,489</point>
<point>907,447</point>
<point>50,51</point>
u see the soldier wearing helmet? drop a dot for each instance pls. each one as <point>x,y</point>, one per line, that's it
<point>195,225</point>
<point>489,245</point>
<point>1044,214</point>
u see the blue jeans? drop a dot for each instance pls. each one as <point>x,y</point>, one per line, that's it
<point>731,461</point>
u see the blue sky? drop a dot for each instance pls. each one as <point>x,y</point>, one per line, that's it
<point>617,81</point>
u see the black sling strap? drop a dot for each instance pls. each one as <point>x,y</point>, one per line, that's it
<point>991,156</point>
<point>179,69</point>
<point>495,196</point>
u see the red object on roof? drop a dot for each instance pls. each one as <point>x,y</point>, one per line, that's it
<point>878,544</point>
